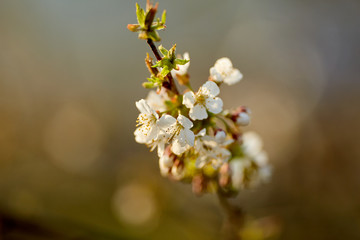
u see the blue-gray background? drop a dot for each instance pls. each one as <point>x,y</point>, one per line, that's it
<point>70,73</point>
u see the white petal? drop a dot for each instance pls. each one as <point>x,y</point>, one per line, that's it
<point>183,69</point>
<point>227,142</point>
<point>153,133</point>
<point>167,161</point>
<point>223,65</point>
<point>223,154</point>
<point>161,148</point>
<point>166,121</point>
<point>220,136</point>
<point>237,173</point>
<point>211,88</point>
<point>189,99</point>
<point>234,77</point>
<point>181,138</point>
<point>185,122</point>
<point>261,159</point>
<point>201,133</point>
<point>186,56</point>
<point>143,106</point>
<point>214,105</point>
<point>215,75</point>
<point>189,137</point>
<point>198,112</point>
<point>156,101</point>
<point>139,136</point>
<point>164,170</point>
<point>178,148</point>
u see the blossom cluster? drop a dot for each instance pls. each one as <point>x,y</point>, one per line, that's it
<point>197,141</point>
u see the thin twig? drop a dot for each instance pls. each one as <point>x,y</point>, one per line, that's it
<point>154,49</point>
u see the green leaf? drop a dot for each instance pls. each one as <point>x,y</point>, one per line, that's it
<point>153,35</point>
<point>179,61</point>
<point>140,14</point>
<point>148,85</point>
<point>163,51</point>
<point>165,71</point>
<point>171,53</point>
<point>163,17</point>
<point>152,80</point>
<point>157,26</point>
<point>158,64</point>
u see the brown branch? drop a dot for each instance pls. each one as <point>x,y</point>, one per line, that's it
<point>168,85</point>
<point>234,218</point>
<point>154,49</point>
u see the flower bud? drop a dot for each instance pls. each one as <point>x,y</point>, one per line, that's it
<point>199,184</point>
<point>241,116</point>
<point>177,170</point>
<point>133,27</point>
<point>224,178</point>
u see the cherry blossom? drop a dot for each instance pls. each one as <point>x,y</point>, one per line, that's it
<point>204,99</point>
<point>147,130</point>
<point>178,131</point>
<point>223,71</point>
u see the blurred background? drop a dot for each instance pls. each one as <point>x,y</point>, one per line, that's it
<point>70,73</point>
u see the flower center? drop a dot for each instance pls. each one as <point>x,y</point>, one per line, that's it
<point>200,98</point>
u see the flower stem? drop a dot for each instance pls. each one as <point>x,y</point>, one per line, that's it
<point>171,82</point>
<point>234,218</point>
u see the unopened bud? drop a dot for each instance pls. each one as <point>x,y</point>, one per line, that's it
<point>224,178</point>
<point>133,27</point>
<point>241,116</point>
<point>198,184</point>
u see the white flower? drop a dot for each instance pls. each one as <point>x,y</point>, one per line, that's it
<point>253,150</point>
<point>252,144</point>
<point>244,175</point>
<point>238,167</point>
<point>211,149</point>
<point>220,139</point>
<point>159,142</point>
<point>148,130</point>
<point>157,101</point>
<point>183,69</point>
<point>223,71</point>
<point>204,99</point>
<point>177,130</point>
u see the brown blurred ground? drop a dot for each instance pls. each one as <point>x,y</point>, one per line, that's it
<point>70,73</point>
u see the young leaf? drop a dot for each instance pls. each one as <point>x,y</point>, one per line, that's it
<point>140,14</point>
<point>163,17</point>
<point>148,85</point>
<point>153,35</point>
<point>163,51</point>
<point>179,61</point>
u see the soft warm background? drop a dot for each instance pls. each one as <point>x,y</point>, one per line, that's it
<point>70,73</point>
